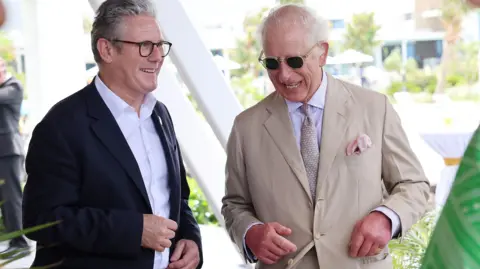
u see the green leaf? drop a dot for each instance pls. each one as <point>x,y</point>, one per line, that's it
<point>408,253</point>
<point>8,236</point>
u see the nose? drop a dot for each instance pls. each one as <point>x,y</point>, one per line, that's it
<point>284,72</point>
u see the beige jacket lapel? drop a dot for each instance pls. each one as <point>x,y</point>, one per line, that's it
<point>336,119</point>
<point>279,127</point>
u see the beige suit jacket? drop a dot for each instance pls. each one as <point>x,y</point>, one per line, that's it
<point>266,179</point>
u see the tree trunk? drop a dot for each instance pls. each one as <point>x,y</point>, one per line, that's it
<point>2,13</point>
<point>452,34</point>
<point>442,74</point>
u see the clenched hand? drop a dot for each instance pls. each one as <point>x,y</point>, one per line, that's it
<point>370,235</point>
<point>267,242</point>
<point>185,256</point>
<point>157,232</point>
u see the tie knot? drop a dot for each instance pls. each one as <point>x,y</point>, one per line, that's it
<point>306,109</point>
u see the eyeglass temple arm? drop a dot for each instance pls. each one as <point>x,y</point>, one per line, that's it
<point>260,56</point>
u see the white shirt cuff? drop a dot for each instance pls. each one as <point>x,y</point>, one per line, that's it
<point>394,218</point>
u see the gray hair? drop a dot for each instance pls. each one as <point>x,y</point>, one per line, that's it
<point>109,18</point>
<point>316,26</point>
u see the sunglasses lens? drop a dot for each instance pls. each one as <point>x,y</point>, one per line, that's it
<point>295,62</point>
<point>271,63</point>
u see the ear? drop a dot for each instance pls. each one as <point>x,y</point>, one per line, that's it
<point>324,50</point>
<point>106,50</point>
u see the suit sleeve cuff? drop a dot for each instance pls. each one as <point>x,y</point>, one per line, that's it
<point>394,219</point>
<point>247,251</point>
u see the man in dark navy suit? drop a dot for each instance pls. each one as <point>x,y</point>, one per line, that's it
<point>105,161</point>
<point>11,157</point>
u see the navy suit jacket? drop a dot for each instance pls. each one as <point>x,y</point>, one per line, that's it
<point>82,173</point>
<point>11,97</point>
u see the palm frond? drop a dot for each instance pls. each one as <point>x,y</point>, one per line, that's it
<point>408,253</point>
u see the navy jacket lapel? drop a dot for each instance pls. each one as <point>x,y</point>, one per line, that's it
<point>108,132</point>
<point>163,126</point>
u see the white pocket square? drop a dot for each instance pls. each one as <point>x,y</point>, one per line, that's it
<point>359,145</point>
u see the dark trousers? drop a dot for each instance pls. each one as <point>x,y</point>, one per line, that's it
<point>11,172</point>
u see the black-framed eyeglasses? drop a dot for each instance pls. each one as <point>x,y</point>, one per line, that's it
<point>145,48</point>
<point>295,62</point>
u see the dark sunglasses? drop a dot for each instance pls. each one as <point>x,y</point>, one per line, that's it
<point>295,62</point>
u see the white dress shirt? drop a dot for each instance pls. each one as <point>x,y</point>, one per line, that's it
<point>317,104</point>
<point>145,144</point>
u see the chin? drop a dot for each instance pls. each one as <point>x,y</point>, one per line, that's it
<point>295,95</point>
<point>149,87</point>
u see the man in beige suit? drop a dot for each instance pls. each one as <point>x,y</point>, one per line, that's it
<point>306,165</point>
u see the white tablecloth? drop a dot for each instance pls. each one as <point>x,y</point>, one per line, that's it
<point>451,145</point>
<point>446,127</point>
<point>432,162</point>
<point>448,143</point>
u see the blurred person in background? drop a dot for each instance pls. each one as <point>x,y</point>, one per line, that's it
<point>11,155</point>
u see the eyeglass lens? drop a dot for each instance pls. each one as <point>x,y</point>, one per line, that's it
<point>293,62</point>
<point>147,47</point>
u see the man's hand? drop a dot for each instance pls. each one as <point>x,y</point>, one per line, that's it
<point>267,243</point>
<point>185,256</point>
<point>157,232</point>
<point>370,235</point>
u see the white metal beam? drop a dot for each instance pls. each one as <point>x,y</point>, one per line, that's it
<point>95,4</point>
<point>202,154</point>
<point>194,62</point>
<point>198,69</point>
<point>55,67</point>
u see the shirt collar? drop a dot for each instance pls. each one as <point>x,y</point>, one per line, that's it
<point>317,100</point>
<point>117,105</point>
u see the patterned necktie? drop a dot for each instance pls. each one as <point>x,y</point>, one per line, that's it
<point>309,149</point>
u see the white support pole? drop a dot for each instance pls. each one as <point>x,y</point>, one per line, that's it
<point>202,154</point>
<point>198,69</point>
<point>95,4</point>
<point>55,66</point>
<point>404,52</point>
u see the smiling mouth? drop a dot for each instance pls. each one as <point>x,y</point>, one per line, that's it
<point>292,86</point>
<point>148,70</point>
